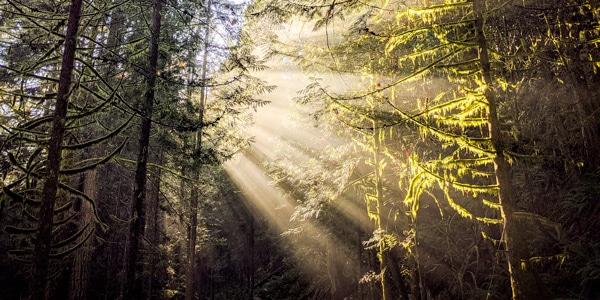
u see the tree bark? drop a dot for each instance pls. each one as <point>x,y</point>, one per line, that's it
<point>43,241</point>
<point>523,280</point>
<point>333,271</point>
<point>190,276</point>
<point>116,198</point>
<point>191,268</point>
<point>251,261</point>
<point>133,289</point>
<point>383,258</point>
<point>153,227</point>
<point>80,265</point>
<point>87,183</point>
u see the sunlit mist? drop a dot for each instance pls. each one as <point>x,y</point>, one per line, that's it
<point>274,127</point>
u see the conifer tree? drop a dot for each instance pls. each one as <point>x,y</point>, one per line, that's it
<point>412,40</point>
<point>41,254</point>
<point>110,54</point>
<point>190,288</point>
<point>81,102</point>
<point>136,231</point>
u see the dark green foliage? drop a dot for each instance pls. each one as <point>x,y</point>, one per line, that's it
<point>102,114</point>
<point>544,100</point>
<point>407,179</point>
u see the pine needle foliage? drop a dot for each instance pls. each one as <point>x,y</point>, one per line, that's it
<point>490,62</point>
<point>31,48</point>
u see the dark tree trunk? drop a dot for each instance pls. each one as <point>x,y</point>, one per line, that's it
<point>87,183</point>
<point>114,198</point>
<point>191,270</point>
<point>333,271</point>
<point>153,228</point>
<point>80,265</point>
<point>251,261</point>
<point>44,235</point>
<point>133,288</point>
<point>524,282</point>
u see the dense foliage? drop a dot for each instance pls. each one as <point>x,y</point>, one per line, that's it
<point>458,153</point>
<point>131,97</point>
<point>480,115</point>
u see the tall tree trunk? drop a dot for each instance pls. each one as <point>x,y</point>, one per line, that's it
<point>523,280</point>
<point>190,276</point>
<point>88,184</point>
<point>396,272</point>
<point>418,283</point>
<point>190,287</point>
<point>153,227</point>
<point>251,265</point>
<point>333,271</point>
<point>359,267</point>
<point>378,165</point>
<point>117,251</point>
<point>80,265</point>
<point>43,241</point>
<point>133,289</point>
